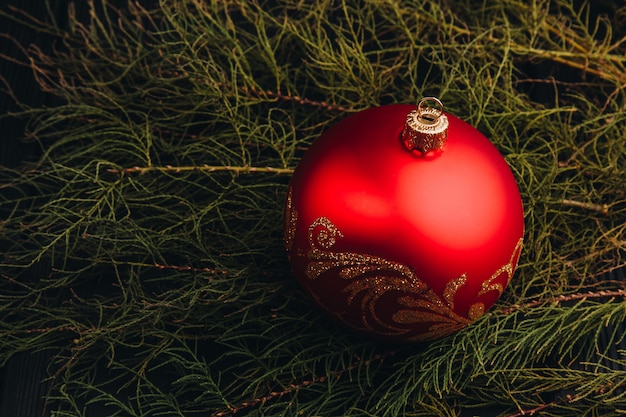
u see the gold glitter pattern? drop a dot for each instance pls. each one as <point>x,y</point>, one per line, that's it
<point>390,298</point>
<point>429,308</point>
<point>476,311</point>
<point>291,218</point>
<point>452,287</point>
<point>323,233</point>
<point>508,269</point>
<point>372,278</point>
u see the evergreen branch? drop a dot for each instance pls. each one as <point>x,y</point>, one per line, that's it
<point>202,168</point>
<point>569,59</point>
<point>287,97</point>
<point>179,268</point>
<point>565,399</point>
<point>303,384</point>
<point>598,208</point>
<point>269,397</point>
<point>531,412</point>
<point>186,268</point>
<point>564,299</point>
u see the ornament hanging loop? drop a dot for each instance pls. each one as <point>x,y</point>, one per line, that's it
<point>426,128</point>
<point>428,114</point>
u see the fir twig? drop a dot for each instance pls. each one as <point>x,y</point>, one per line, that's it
<point>202,168</point>
<point>286,97</point>
<point>538,409</point>
<point>302,384</point>
<point>598,208</point>
<point>566,298</point>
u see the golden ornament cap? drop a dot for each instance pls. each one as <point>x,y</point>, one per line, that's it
<point>426,127</point>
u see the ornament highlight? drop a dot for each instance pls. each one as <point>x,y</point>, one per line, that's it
<point>403,223</point>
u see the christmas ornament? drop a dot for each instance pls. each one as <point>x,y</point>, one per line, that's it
<point>404,223</point>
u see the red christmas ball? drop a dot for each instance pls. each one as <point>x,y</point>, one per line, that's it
<point>399,235</point>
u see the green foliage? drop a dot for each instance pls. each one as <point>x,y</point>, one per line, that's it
<point>145,245</point>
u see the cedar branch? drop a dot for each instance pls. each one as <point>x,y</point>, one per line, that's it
<point>202,168</point>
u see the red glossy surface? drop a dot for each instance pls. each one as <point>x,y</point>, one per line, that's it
<point>450,213</point>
